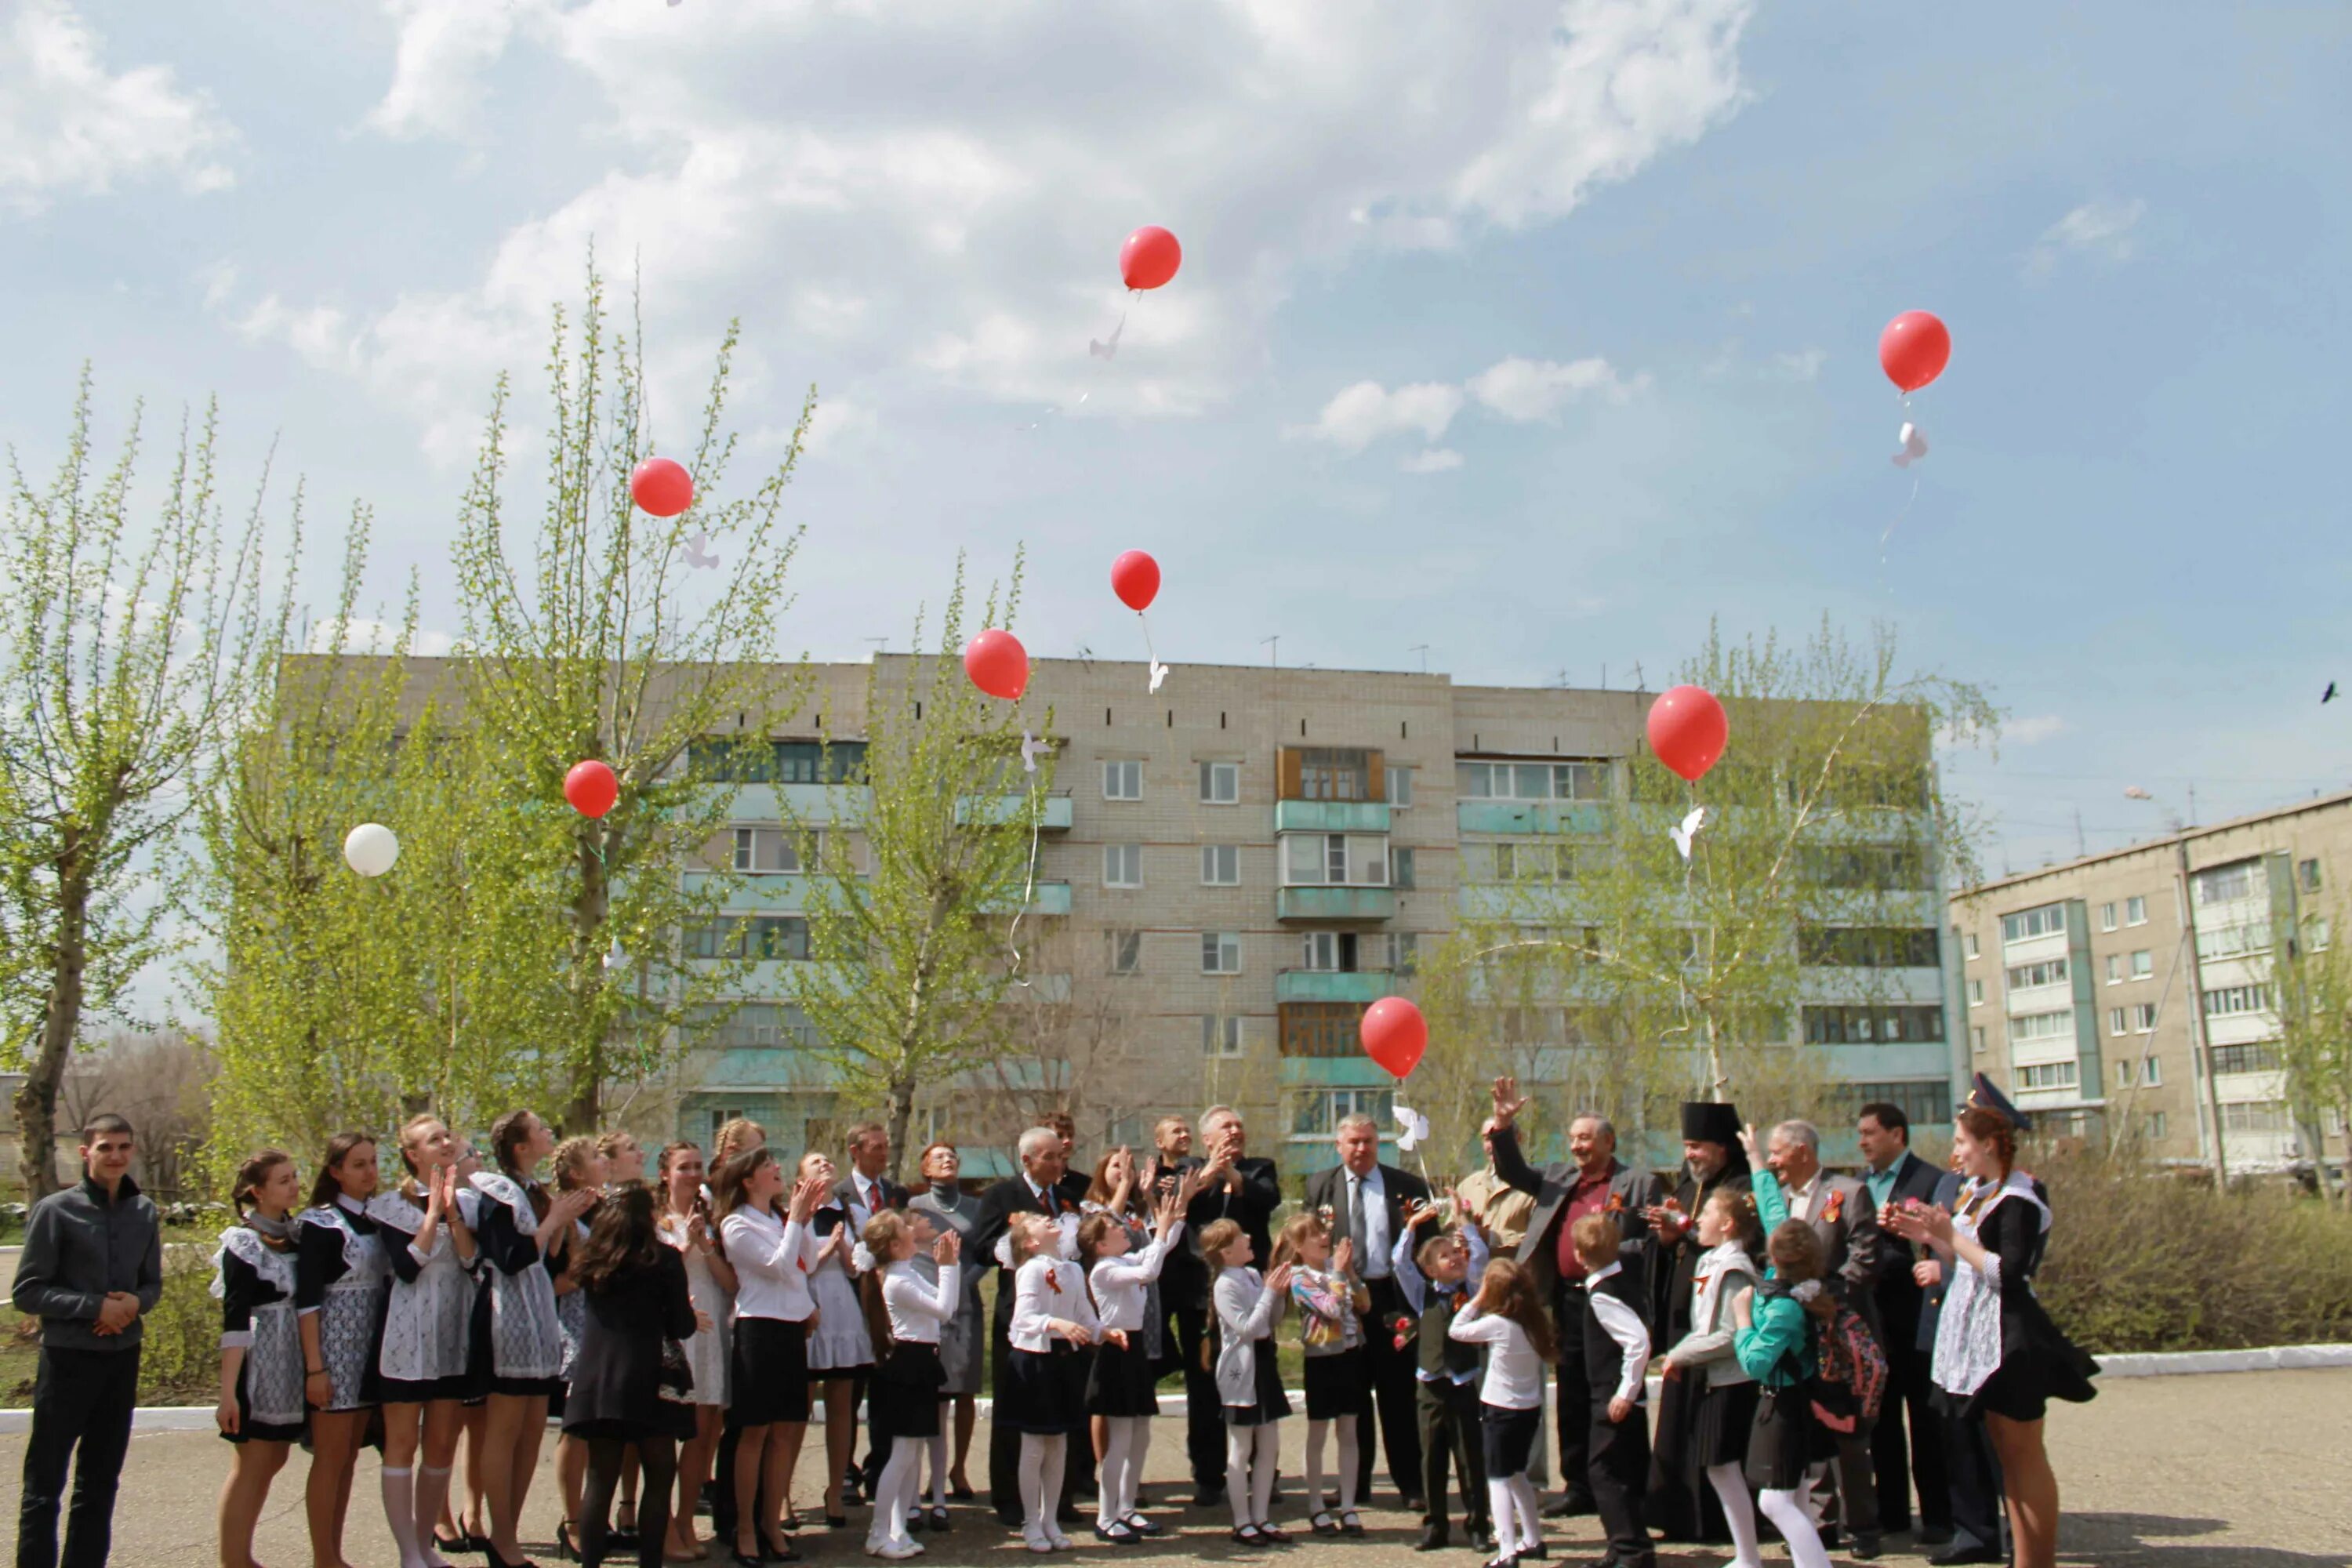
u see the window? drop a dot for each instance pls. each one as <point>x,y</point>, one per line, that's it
<point>2233,1000</point>
<point>2306,876</point>
<point>1123,780</point>
<point>1526,860</point>
<point>1401,786</point>
<point>1220,865</point>
<point>2143,1017</point>
<point>732,760</point>
<point>2233,938</point>
<point>1329,952</point>
<point>1122,865</point>
<point>2256,1057</point>
<point>2115,969</point>
<point>1881,866</point>
<point>1969,943</point>
<point>2226,884</point>
<point>1335,859</point>
<point>2026,977</point>
<point>2050,1075</point>
<point>1401,869</point>
<point>2123,1075</point>
<point>762,937</point>
<point>2316,933</point>
<point>1221,784</point>
<point>2151,1070</point>
<point>2136,911</point>
<point>1317,1111</point>
<point>720,1115</point>
<point>1220,1035</point>
<point>1221,953</point>
<point>1976,992</point>
<point>1125,951</point>
<point>2041,1027</point>
<point>1926,1101</point>
<point>754,1025</point>
<point>1326,1029</point>
<point>2045,921</point>
<point>1332,773</point>
<point>1868,1026</point>
<point>1867,947</point>
<point>1404,953</point>
<point>1532,781</point>
<point>763,851</point>
<point>1977,1041</point>
<point>2114,1020</point>
<point>2156,1124</point>
<point>2143,964</point>
<point>2106,917</point>
<point>2255,1116</point>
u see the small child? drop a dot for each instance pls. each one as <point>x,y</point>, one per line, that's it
<point>1508,1318</point>
<point>1617,1462</point>
<point>1721,1395</point>
<point>1776,1342</point>
<point>1248,1382</point>
<point>1122,1388</point>
<point>904,1312</point>
<point>1436,1273</point>
<point>1054,1321</point>
<point>1331,1303</point>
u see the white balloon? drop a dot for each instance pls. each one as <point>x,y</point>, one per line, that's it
<point>371,848</point>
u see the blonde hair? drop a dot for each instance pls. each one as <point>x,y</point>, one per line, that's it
<point>1091,1231</point>
<point>881,1236</point>
<point>1596,1236</point>
<point>1028,1233</point>
<point>570,1158</point>
<point>732,1134</point>
<point>1217,1240</point>
<point>1295,1231</point>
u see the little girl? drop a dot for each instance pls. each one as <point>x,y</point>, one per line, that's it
<point>1775,1342</point>
<point>1722,1396</point>
<point>1053,1321</point>
<point>1121,1388</point>
<point>1248,1382</point>
<point>1331,1301</point>
<point>904,1312</point>
<point>1507,1317</point>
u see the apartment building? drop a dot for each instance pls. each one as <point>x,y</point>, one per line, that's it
<point>1237,866</point>
<point>2135,991</point>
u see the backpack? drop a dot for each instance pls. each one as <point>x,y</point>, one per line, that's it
<point>1851,1358</point>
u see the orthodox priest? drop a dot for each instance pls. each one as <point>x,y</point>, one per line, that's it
<point>1681,1506</point>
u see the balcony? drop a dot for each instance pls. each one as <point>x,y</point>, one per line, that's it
<point>1330,817</point>
<point>1045,898</point>
<point>1359,985</point>
<point>1353,905</point>
<point>765,892</point>
<point>1056,818</point>
<point>1531,816</point>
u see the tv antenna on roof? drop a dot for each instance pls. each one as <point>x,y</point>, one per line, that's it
<point>1272,650</point>
<point>881,645</point>
<point>1422,648</point>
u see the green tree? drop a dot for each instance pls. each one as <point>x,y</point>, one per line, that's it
<point>2313,998</point>
<point>124,642</point>
<point>914,951</point>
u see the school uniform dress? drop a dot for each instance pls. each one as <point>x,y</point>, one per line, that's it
<point>616,1374</point>
<point>516,1345</point>
<point>840,1344</point>
<point>1124,1379</point>
<point>1047,1391</point>
<point>768,1370</point>
<point>255,1285</point>
<point>339,1276</point>
<point>1995,1349</point>
<point>1331,1333</point>
<point>570,1311</point>
<point>1717,1408</point>
<point>706,1350</point>
<point>428,1351</point>
<point>1777,1351</point>
<point>1510,1390</point>
<point>903,1400</point>
<point>963,1339</point>
<point>1249,1384</point>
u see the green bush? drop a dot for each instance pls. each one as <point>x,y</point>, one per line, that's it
<point>2142,1259</point>
<point>179,1363</point>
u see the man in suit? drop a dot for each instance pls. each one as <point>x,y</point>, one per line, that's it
<point>1036,1190</point>
<point>1593,1183</point>
<point>1894,1176</point>
<point>1370,1204</point>
<point>1075,1179</point>
<point>1184,1307</point>
<point>865,1191</point>
<point>1246,1191</point>
<point>1853,1247</point>
<point>1680,1504</point>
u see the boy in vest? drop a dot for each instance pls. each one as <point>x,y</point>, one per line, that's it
<point>1437,1273</point>
<point>1617,1460</point>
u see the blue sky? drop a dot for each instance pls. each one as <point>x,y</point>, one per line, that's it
<point>1540,340</point>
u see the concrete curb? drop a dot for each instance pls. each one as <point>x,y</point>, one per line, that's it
<point>2166,1363</point>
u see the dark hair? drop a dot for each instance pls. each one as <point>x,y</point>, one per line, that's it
<point>252,1174</point>
<point>1889,1117</point>
<point>1797,1255</point>
<point>1511,1286</point>
<point>104,1122</point>
<point>1990,1127</point>
<point>507,1135</point>
<point>1091,1231</point>
<point>620,1238</point>
<point>1747,1228</point>
<point>1099,1190</point>
<point>661,1168</point>
<point>323,1186</point>
<point>728,1181</point>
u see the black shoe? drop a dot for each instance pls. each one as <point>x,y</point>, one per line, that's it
<point>1010,1518</point>
<point>1433,1537</point>
<point>1569,1505</point>
<point>1350,1524</point>
<point>1142,1526</point>
<point>838,1521</point>
<point>1932,1535</point>
<point>774,1551</point>
<point>1117,1535</point>
<point>939,1520</point>
<point>1540,1551</point>
<point>1410,1503</point>
<point>1967,1554</point>
<point>1323,1523</point>
<point>1248,1535</point>
<point>1481,1537</point>
<point>1867,1547</point>
<point>1068,1516</point>
<point>1209,1496</point>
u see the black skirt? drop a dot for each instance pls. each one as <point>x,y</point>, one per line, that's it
<point>402,1390</point>
<point>1720,1419</point>
<point>1336,1386</point>
<point>769,1372</point>
<point>1272,1404</point>
<point>1121,1381</point>
<point>1044,1392</point>
<point>1508,1439</point>
<point>1784,1440</point>
<point>902,1400</point>
<point>248,1430</point>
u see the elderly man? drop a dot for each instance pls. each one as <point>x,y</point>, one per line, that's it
<point>1370,1204</point>
<point>1593,1183</point>
<point>1246,1191</point>
<point>1036,1190</point>
<point>1894,1174</point>
<point>1680,1504</point>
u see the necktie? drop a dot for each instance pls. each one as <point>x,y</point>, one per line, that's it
<point>1356,1215</point>
<point>874,1197</point>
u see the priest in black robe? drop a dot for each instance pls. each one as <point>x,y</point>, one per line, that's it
<point>1681,1506</point>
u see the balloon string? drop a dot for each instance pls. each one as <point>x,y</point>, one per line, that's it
<point>1028,890</point>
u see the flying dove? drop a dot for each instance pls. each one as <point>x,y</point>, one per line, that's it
<point>1159,674</point>
<point>1030,747</point>
<point>698,552</point>
<point>1415,1128</point>
<point>1108,348</point>
<point>1915,445</point>
<point>1689,829</point>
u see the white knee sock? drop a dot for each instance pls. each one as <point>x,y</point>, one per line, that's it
<point>1139,1450</point>
<point>399,1512</point>
<point>1262,1464</point>
<point>1504,1506</point>
<point>1347,1461</point>
<point>432,1493</point>
<point>1033,1482</point>
<point>893,1491</point>
<point>1239,1442</point>
<point>938,1450</point>
<point>1786,1512</point>
<point>1057,1460</point>
<point>1523,1498</point>
<point>1315,1432</point>
<point>1731,1490</point>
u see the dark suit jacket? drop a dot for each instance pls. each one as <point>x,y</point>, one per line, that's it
<point>1853,1249</point>
<point>1898,1294</point>
<point>1250,1205</point>
<point>998,1205</point>
<point>1328,1190</point>
<point>1629,1192</point>
<point>848,1192</point>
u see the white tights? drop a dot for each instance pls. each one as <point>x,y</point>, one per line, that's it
<point>1788,1512</point>
<point>1731,1490</point>
<point>894,1492</point>
<point>1127,1441</point>
<point>1042,1456</point>
<point>938,1448</point>
<point>1315,1431</point>
<point>1512,1501</point>
<point>1250,1455</point>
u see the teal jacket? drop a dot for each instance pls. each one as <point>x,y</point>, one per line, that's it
<point>1777,1351</point>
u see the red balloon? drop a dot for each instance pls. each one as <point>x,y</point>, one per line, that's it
<point>590,788</point>
<point>997,664</point>
<point>1149,257</point>
<point>1688,730</point>
<point>1135,578</point>
<point>662,487</point>
<point>1914,349</point>
<point>1394,1034</point>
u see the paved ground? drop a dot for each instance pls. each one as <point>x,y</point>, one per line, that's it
<point>2241,1470</point>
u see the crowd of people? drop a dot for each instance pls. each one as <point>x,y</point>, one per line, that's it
<point>683,1329</point>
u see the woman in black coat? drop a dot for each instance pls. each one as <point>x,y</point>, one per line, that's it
<point>622,1393</point>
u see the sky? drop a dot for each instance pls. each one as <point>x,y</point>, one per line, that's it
<point>1535,335</point>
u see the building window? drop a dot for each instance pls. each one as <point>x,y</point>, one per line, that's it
<point>1969,944</point>
<point>2143,1017</point>
<point>754,1025</point>
<point>1401,869</point>
<point>1329,952</point>
<point>2306,876</point>
<point>1331,1031</point>
<point>2257,1058</point>
<point>1977,1041</point>
<point>1221,784</point>
<point>1125,951</point>
<point>2106,917</point>
<point>2027,924</point>
<point>1220,865</point>
<point>2114,1020</point>
<point>1123,780</point>
<point>1332,773</point>
<point>1926,1101</point>
<point>2115,969</point>
<point>1532,781</point>
<point>1221,953</point>
<point>2026,977</point>
<point>1976,992</point>
<point>2136,911</point>
<point>1220,1035</point>
<point>2233,938</point>
<point>2143,964</point>
<point>2230,1000</point>
<point>2049,1075</point>
<point>1872,1025</point>
<point>2041,1027</point>
<point>720,1115</point>
<point>766,850</point>
<point>2123,1075</point>
<point>1122,865</point>
<point>2226,884</point>
<point>1316,1113</point>
<point>766,938</point>
<point>2151,1070</point>
<point>1867,947</point>
<point>2156,1124</point>
<point>725,759</point>
<point>1404,953</point>
<point>2316,933</point>
<point>1525,860</point>
<point>1401,786</point>
<point>2255,1116</point>
<point>1335,859</point>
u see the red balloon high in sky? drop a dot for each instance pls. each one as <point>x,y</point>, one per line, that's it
<point>1914,349</point>
<point>997,664</point>
<point>1688,731</point>
<point>590,788</point>
<point>661,487</point>
<point>1150,258</point>
<point>1135,578</point>
<point>1394,1034</point>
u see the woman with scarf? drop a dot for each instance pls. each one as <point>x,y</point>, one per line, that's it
<point>261,1349</point>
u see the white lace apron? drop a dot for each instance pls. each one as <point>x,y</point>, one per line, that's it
<point>272,1375</point>
<point>352,1311</point>
<point>427,1326</point>
<point>524,1342</point>
<point>1967,1333</point>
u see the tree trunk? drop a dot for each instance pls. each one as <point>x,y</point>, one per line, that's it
<point>37,1102</point>
<point>588,915</point>
<point>902,1113</point>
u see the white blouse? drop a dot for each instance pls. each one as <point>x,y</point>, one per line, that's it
<point>1122,1285</point>
<point>917,1307</point>
<point>1513,1376</point>
<point>772,1257</point>
<point>1046,1289</point>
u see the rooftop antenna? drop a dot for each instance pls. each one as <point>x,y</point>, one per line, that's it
<point>1422,648</point>
<point>1272,650</point>
<point>881,645</point>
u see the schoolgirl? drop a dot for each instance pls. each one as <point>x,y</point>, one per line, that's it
<point>1053,1322</point>
<point>1775,1338</point>
<point>1507,1318</point>
<point>768,1383</point>
<point>339,1293</point>
<point>423,1364</point>
<point>904,1312</point>
<point>579,1167</point>
<point>1721,1395</point>
<point>840,1349</point>
<point>262,1345</point>
<point>1331,1301</point>
<point>1249,1385</point>
<point>687,1224</point>
<point>1121,1386</point>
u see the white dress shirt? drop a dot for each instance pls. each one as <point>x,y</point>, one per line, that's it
<point>916,1305</point>
<point>1801,1199</point>
<point>1376,1243</point>
<point>1513,1376</point>
<point>1625,1326</point>
<point>1048,1290</point>
<point>1122,1285</point>
<point>772,1257</point>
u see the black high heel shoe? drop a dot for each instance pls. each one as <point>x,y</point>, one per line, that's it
<point>491,1552</point>
<point>567,1542</point>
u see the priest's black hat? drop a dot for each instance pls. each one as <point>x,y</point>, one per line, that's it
<point>1986,1096</point>
<point>1708,1121</point>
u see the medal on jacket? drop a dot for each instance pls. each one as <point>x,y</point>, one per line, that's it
<point>1835,1207</point>
<point>1616,1204</point>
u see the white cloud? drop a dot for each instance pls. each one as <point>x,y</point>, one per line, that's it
<point>2029,732</point>
<point>68,127</point>
<point>1436,461</point>
<point>2103,230</point>
<point>838,422</point>
<point>444,48</point>
<point>1523,390</point>
<point>1360,414</point>
<point>365,633</point>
